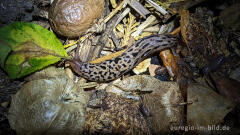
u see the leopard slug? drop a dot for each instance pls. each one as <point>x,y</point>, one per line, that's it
<point>111,69</point>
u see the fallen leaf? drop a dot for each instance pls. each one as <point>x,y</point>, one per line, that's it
<point>53,105</point>
<point>208,108</point>
<point>32,46</point>
<point>142,66</point>
<point>227,87</point>
<point>161,100</point>
<point>118,115</point>
<point>152,69</point>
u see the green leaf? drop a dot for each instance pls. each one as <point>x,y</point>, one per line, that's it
<point>32,48</point>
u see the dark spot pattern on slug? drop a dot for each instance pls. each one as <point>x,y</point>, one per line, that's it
<point>116,68</point>
<point>147,44</point>
<point>114,75</point>
<point>164,38</point>
<point>129,61</point>
<point>84,66</point>
<point>103,67</point>
<point>137,44</point>
<point>112,66</point>
<point>102,76</point>
<point>169,36</point>
<point>111,73</point>
<point>90,72</point>
<point>135,63</point>
<point>135,54</point>
<point>159,41</point>
<point>116,60</point>
<point>105,73</point>
<point>156,47</point>
<point>131,49</point>
<point>165,44</point>
<point>122,72</point>
<point>169,41</point>
<point>91,66</point>
<point>85,71</point>
<point>110,61</point>
<point>146,53</point>
<point>104,63</point>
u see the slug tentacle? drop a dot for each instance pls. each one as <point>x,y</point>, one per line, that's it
<point>115,67</point>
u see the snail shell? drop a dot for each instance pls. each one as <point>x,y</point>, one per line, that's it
<point>72,18</point>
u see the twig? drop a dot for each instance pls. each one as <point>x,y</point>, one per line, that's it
<point>157,7</point>
<point>149,20</point>
<point>138,7</point>
<point>124,13</point>
<point>165,6</point>
<point>121,5</point>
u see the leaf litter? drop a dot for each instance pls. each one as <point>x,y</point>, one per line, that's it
<point>142,104</point>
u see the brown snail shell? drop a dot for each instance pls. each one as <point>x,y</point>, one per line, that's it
<point>72,18</point>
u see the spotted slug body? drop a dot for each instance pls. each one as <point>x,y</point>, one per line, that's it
<point>116,67</point>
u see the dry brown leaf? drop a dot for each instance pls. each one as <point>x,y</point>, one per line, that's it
<point>208,108</point>
<point>162,104</point>
<point>54,105</point>
<point>152,69</point>
<point>120,116</point>
<point>227,87</point>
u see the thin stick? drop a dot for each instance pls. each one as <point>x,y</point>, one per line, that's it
<point>106,19</point>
